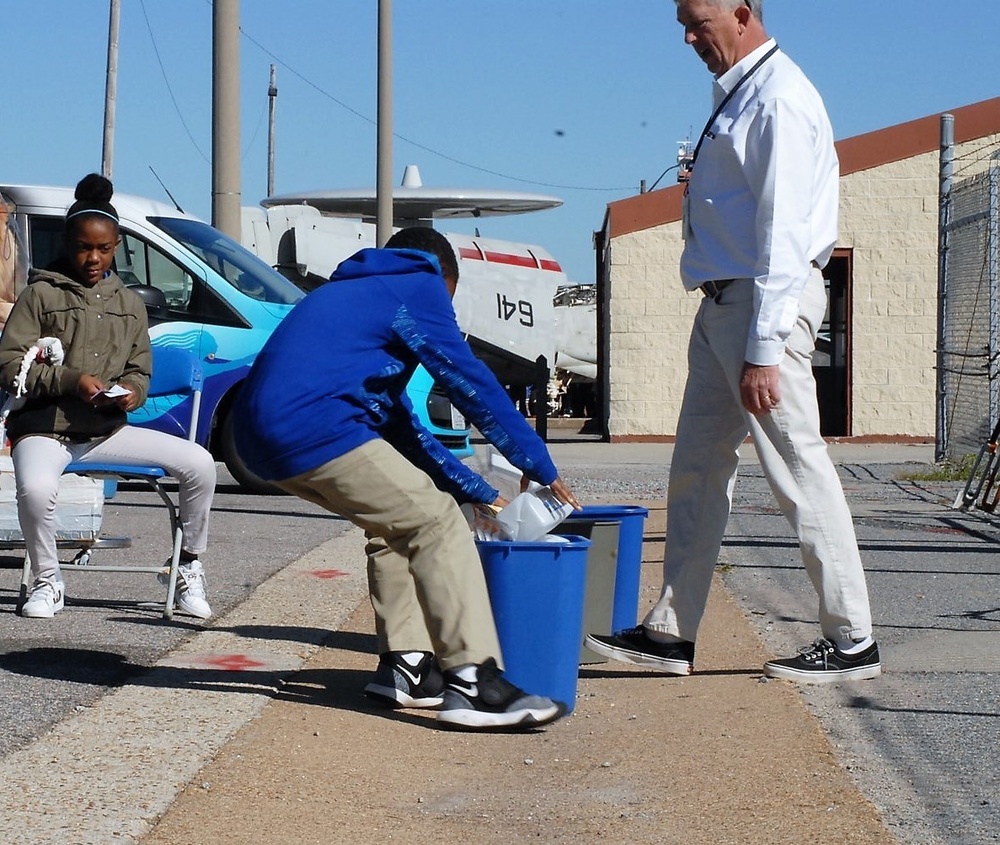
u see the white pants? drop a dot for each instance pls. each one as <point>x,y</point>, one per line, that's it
<point>39,462</point>
<point>792,453</point>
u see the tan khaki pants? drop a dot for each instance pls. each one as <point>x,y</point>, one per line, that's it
<point>424,573</point>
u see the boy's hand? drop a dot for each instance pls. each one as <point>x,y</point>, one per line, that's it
<point>564,494</point>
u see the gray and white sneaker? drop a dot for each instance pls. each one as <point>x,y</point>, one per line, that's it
<point>45,599</point>
<point>190,595</point>
<point>491,702</point>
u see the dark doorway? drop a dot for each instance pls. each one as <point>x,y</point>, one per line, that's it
<point>832,358</point>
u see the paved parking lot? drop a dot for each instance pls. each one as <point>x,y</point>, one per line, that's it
<point>50,667</point>
<point>921,742</point>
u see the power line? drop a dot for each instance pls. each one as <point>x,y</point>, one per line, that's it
<point>166,81</point>
<point>417,144</point>
<point>323,92</point>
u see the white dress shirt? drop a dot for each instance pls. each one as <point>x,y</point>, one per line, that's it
<point>764,194</point>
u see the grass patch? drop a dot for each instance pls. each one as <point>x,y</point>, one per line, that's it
<point>943,471</point>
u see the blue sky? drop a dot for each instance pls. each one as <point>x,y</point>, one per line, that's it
<point>580,99</point>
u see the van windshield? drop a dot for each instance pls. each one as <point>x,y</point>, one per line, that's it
<point>237,265</point>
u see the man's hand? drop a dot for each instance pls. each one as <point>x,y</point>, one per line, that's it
<point>759,390</point>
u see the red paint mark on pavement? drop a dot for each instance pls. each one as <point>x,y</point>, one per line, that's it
<point>328,573</point>
<point>234,662</point>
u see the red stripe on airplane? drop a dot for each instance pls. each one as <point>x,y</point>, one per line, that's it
<point>509,258</point>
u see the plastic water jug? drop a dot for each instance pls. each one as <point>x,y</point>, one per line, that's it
<point>532,515</point>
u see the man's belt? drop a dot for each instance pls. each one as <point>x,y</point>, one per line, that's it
<point>714,288</point>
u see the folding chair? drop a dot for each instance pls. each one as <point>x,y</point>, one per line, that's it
<point>176,372</point>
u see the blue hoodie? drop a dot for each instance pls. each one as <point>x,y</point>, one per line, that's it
<point>333,376</point>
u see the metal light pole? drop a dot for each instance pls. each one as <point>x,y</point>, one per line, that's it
<point>226,117</point>
<point>111,90</point>
<point>383,175</point>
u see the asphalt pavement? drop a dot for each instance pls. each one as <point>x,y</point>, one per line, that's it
<point>921,743</point>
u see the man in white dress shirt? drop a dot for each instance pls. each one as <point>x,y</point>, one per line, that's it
<point>760,221</point>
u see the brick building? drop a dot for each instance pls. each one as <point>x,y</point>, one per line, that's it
<point>875,364</point>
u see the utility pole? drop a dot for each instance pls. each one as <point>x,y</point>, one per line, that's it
<point>226,117</point>
<point>383,175</point>
<point>272,96</point>
<point>111,90</point>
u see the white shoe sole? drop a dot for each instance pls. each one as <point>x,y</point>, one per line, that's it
<point>469,719</point>
<point>397,698</point>
<point>638,658</point>
<point>806,676</point>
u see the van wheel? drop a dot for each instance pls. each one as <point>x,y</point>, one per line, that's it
<point>244,476</point>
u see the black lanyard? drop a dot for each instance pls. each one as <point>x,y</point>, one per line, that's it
<point>727,98</point>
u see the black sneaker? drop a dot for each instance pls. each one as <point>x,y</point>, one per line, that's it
<point>822,662</point>
<point>398,683</point>
<point>633,645</point>
<point>491,701</point>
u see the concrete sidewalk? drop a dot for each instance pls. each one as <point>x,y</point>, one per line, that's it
<point>256,731</point>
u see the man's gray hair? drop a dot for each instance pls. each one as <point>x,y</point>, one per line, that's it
<point>756,6</point>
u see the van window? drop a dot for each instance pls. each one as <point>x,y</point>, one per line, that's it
<point>140,264</point>
<point>237,265</point>
<point>137,263</point>
<point>45,240</point>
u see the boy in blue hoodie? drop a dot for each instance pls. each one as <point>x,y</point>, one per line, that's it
<point>337,428</point>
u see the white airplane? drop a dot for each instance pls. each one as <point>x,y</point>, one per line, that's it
<point>506,294</point>
<point>576,331</point>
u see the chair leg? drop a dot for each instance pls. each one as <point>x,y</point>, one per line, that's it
<point>175,560</point>
<point>173,512</point>
<point>22,594</point>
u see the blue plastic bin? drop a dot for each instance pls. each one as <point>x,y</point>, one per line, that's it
<point>628,569</point>
<point>536,591</point>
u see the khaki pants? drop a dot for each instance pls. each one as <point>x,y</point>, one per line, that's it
<point>424,572</point>
<point>792,453</point>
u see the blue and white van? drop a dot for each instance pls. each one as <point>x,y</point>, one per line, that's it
<point>203,292</point>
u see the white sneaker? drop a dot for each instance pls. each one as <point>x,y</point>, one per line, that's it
<point>190,596</point>
<point>45,599</point>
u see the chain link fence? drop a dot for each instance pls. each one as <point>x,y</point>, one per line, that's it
<point>969,319</point>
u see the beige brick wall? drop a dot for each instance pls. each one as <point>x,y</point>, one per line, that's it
<point>651,317</point>
<point>888,218</point>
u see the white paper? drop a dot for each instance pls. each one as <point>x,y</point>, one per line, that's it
<point>115,391</point>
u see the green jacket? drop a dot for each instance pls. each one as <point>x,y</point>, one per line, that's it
<point>103,331</point>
